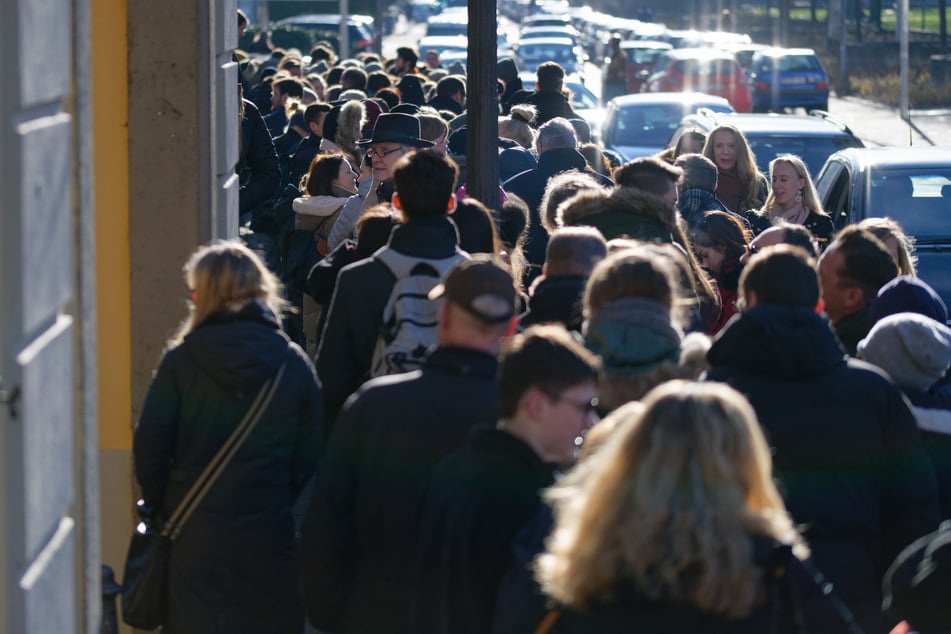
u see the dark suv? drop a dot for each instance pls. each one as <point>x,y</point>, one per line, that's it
<point>327,25</point>
<point>812,137</point>
<point>911,185</point>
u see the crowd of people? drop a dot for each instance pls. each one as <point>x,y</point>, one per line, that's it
<point>665,395</point>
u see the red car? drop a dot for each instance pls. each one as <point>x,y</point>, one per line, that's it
<point>708,70</point>
<point>641,55</point>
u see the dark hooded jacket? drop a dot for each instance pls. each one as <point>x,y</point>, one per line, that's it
<point>530,187</point>
<point>556,299</point>
<point>202,389</point>
<point>548,105</point>
<point>846,451</point>
<point>258,166</point>
<point>625,212</point>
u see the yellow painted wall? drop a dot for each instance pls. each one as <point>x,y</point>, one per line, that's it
<point>110,139</point>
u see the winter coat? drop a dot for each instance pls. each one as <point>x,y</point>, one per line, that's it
<point>556,299</point>
<point>346,221</point>
<point>624,212</point>
<point>820,225</point>
<point>300,162</point>
<point>851,329</point>
<point>933,417</point>
<point>846,451</point>
<point>446,103</point>
<point>202,389</point>
<point>530,187</point>
<point>258,166</point>
<point>356,310</point>
<point>630,610</point>
<point>548,104</point>
<point>477,501</point>
<point>360,532</point>
<point>728,282</point>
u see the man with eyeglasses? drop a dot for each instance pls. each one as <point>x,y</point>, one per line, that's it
<point>480,497</point>
<point>394,135</point>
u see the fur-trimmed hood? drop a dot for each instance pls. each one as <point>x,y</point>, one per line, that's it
<point>350,123</point>
<point>594,207</point>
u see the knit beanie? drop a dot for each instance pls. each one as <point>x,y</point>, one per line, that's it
<point>515,160</point>
<point>907,294</point>
<point>915,350</point>
<point>633,335</point>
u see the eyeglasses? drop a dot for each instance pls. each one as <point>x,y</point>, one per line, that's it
<point>371,153</point>
<point>584,408</point>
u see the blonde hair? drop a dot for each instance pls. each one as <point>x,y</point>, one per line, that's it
<point>225,276</point>
<point>517,125</point>
<point>810,197</point>
<point>669,502</point>
<point>884,228</point>
<point>745,162</point>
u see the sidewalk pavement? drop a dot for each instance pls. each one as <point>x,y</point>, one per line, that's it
<point>881,125</point>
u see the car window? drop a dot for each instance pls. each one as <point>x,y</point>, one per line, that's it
<point>812,150</point>
<point>647,125</point>
<point>920,200</point>
<point>797,63</point>
<point>552,53</point>
<point>642,55</point>
<point>834,192</point>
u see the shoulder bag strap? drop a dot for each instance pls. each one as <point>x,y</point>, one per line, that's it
<point>548,621</point>
<point>221,459</point>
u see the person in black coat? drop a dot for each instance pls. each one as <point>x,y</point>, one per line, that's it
<point>233,567</point>
<point>673,525</point>
<point>355,317</point>
<point>258,167</point>
<point>361,529</point>
<point>845,447</point>
<point>556,143</point>
<point>480,497</point>
<point>548,97</point>
<point>557,295</point>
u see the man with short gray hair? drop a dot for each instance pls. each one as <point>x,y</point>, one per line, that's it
<point>557,152</point>
<point>698,188</point>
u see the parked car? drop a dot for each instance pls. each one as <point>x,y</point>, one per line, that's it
<point>640,125</point>
<point>707,70</point>
<point>813,137</point>
<point>788,78</point>
<point>535,51</point>
<point>744,53</point>
<point>911,185</point>
<point>443,44</point>
<point>451,22</point>
<point>359,29</point>
<point>641,55</point>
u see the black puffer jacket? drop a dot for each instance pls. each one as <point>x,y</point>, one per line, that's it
<point>846,451</point>
<point>202,389</point>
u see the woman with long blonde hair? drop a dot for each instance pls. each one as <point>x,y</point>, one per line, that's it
<point>234,565</point>
<point>674,524</point>
<point>792,199</point>
<point>740,184</point>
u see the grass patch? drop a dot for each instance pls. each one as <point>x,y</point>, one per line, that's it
<point>886,89</point>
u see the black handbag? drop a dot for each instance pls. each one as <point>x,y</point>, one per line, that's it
<point>144,582</point>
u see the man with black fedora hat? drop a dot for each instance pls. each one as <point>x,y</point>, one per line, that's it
<point>394,136</point>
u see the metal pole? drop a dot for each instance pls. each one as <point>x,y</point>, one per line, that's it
<point>482,118</point>
<point>344,37</point>
<point>903,58</point>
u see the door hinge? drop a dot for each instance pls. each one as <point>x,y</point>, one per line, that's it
<point>10,398</point>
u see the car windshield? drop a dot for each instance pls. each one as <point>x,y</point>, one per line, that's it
<point>647,125</point>
<point>792,63</point>
<point>642,55</point>
<point>917,198</point>
<point>812,150</point>
<point>546,53</point>
<point>705,67</point>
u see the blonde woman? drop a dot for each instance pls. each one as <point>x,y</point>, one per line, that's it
<point>518,125</point>
<point>674,524</point>
<point>899,244</point>
<point>740,184</point>
<point>234,566</point>
<point>793,199</point>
